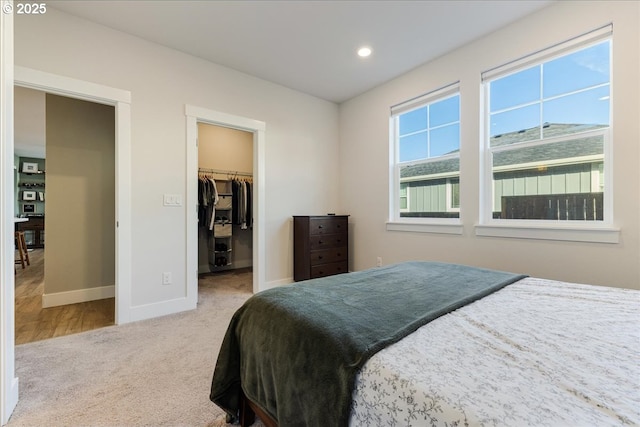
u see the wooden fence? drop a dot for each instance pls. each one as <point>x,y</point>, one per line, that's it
<point>576,206</point>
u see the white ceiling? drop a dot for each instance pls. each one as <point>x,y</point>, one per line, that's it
<point>309,46</point>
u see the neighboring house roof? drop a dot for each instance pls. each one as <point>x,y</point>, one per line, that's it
<point>580,147</point>
<point>431,168</point>
<point>550,130</point>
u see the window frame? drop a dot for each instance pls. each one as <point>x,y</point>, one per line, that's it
<point>419,224</point>
<point>566,230</point>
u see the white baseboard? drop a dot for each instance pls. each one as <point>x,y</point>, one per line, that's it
<point>163,308</point>
<point>79,295</point>
<point>280,282</point>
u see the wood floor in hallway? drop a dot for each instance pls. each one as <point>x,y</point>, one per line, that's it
<point>34,323</point>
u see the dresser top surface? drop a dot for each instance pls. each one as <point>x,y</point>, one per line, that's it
<point>320,216</point>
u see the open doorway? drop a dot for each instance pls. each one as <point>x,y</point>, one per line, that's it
<point>71,178</point>
<point>78,89</point>
<point>225,208</point>
<point>196,116</point>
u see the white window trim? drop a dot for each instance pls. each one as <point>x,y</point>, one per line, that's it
<point>559,49</point>
<point>578,231</point>
<point>412,224</point>
<point>573,231</point>
<point>427,225</point>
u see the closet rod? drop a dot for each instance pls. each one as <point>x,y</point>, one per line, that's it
<point>225,172</point>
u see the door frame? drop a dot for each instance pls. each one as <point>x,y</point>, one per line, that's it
<point>121,101</point>
<point>195,115</point>
<point>10,76</point>
<point>8,380</point>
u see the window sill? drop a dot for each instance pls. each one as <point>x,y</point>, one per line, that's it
<point>442,226</point>
<point>570,232</point>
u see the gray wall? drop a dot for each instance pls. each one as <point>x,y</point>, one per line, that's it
<point>80,208</point>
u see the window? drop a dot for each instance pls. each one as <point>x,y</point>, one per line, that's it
<point>425,138</point>
<point>548,130</point>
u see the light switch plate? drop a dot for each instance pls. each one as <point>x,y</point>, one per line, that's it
<point>172,200</point>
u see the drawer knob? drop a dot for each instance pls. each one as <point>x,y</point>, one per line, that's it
<point>319,242</point>
<point>319,226</point>
<point>320,256</point>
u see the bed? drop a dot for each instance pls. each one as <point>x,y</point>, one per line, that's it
<point>426,343</point>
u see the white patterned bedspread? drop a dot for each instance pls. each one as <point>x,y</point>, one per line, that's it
<point>536,353</point>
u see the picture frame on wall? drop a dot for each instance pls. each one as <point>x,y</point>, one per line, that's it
<point>28,167</point>
<point>28,195</point>
<point>41,196</point>
<point>28,208</point>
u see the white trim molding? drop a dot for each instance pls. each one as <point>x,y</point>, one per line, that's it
<point>162,308</point>
<point>277,283</point>
<point>121,100</point>
<point>78,295</point>
<point>433,226</point>
<point>195,115</point>
<point>550,232</point>
<point>70,87</point>
<point>8,380</point>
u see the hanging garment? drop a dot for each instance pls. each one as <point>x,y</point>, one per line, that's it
<point>243,206</point>
<point>207,200</point>
<point>235,189</point>
<point>204,199</point>
<point>249,210</point>
<point>215,199</point>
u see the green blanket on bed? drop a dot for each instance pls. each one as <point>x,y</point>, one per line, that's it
<point>297,349</point>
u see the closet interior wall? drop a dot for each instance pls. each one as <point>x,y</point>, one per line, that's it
<point>225,155</point>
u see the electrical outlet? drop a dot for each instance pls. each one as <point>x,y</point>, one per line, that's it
<point>166,278</point>
<point>379,261</point>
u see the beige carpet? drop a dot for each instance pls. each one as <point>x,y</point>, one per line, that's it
<point>150,373</point>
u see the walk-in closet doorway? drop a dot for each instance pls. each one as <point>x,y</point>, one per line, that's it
<point>225,208</point>
<point>251,241</point>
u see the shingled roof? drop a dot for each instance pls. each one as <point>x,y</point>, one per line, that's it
<point>580,147</point>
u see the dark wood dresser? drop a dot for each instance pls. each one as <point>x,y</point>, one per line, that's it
<point>320,246</point>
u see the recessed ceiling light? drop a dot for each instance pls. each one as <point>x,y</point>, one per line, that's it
<point>364,51</point>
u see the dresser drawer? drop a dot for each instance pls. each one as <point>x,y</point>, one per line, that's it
<point>329,269</point>
<point>328,225</point>
<point>326,241</point>
<point>325,256</point>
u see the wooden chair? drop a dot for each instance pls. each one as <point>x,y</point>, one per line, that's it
<point>21,246</point>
